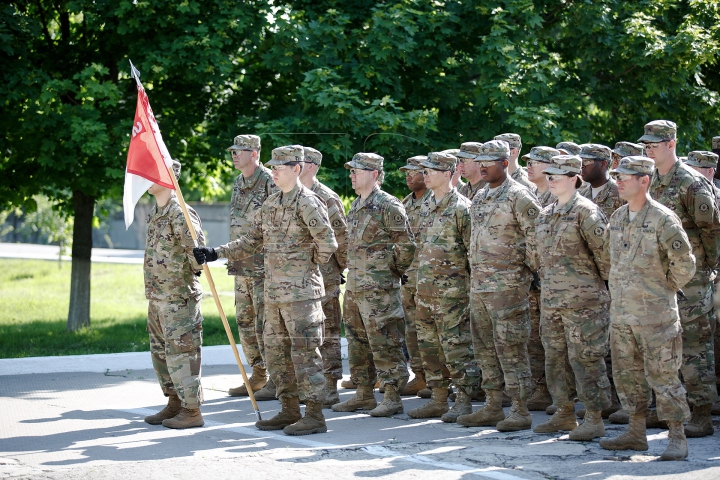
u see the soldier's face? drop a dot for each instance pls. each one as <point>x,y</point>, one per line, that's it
<point>535,171</point>
<point>592,169</point>
<point>414,180</point>
<point>435,178</point>
<point>362,179</point>
<point>493,172</point>
<point>629,185</point>
<point>615,161</point>
<point>561,184</point>
<point>285,176</point>
<point>469,169</point>
<point>660,151</point>
<point>708,173</point>
<point>243,158</point>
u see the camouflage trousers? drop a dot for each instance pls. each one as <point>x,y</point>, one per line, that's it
<point>443,326</point>
<point>372,328</point>
<point>330,349</point>
<point>536,351</point>
<point>648,357</point>
<point>698,356</point>
<point>249,315</point>
<point>500,328</point>
<point>410,332</point>
<point>576,343</point>
<point>175,330</point>
<point>293,333</point>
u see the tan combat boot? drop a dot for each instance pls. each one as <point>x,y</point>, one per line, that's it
<point>187,418</point>
<point>519,418</point>
<point>652,421</point>
<point>362,400</point>
<point>634,437</point>
<point>677,448</point>
<point>620,417</point>
<point>171,409</point>
<point>700,424</point>
<point>562,419</point>
<point>592,427</point>
<point>489,415</point>
<point>289,413</point>
<point>435,408</point>
<point>312,422</point>
<point>391,403</point>
<point>257,380</point>
<point>551,409</point>
<point>540,399</point>
<point>268,392</point>
<point>461,406</point>
<point>414,385</point>
<point>330,391</point>
<point>348,384</point>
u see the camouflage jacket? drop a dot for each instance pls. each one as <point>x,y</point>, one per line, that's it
<point>294,232</point>
<point>573,263</point>
<point>503,222</point>
<point>608,199</point>
<point>247,198</point>
<point>336,212</point>
<point>413,208</point>
<point>170,266</point>
<point>469,190</point>
<point>546,198</point>
<point>689,195</point>
<point>380,243</point>
<point>460,184</point>
<point>520,175</point>
<point>443,269</point>
<point>650,260</point>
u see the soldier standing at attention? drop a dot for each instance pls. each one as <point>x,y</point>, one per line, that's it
<point>537,160</point>
<point>703,162</point>
<point>625,149</point>
<point>503,216</point>
<point>650,261</point>
<point>515,170</point>
<point>332,273</point>
<point>690,196</point>
<point>575,319</point>
<point>469,169</point>
<point>252,187</point>
<point>380,250</point>
<point>294,231</point>
<point>174,318</point>
<point>443,320</point>
<point>598,186</point>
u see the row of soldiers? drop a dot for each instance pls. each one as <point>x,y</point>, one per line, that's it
<point>478,281</point>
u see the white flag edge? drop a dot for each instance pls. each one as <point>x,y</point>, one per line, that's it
<point>135,187</point>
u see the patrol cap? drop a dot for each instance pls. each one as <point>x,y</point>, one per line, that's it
<point>366,161</point>
<point>659,131</point>
<point>312,155</point>
<point>716,143</point>
<point>469,150</point>
<point>541,154</point>
<point>595,151</point>
<point>493,150</point>
<point>635,165</point>
<point>564,164</point>
<point>287,154</point>
<point>413,163</point>
<point>454,151</point>
<point>176,169</point>
<point>702,159</point>
<point>683,159</point>
<point>245,142</point>
<point>513,139</point>
<point>628,149</point>
<point>439,161</point>
<point>571,148</point>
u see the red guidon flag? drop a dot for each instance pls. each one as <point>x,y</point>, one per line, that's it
<point>148,159</point>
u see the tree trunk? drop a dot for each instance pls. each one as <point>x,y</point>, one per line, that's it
<point>79,312</point>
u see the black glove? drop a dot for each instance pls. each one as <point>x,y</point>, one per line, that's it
<point>681,295</point>
<point>404,279</point>
<point>204,254</point>
<point>342,279</point>
<point>607,285</point>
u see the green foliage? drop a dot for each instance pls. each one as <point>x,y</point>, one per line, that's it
<point>43,221</point>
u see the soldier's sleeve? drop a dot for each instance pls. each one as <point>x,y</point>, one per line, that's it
<point>704,211</point>
<point>182,234</point>
<point>674,242</point>
<point>314,213</point>
<point>248,244</point>
<point>527,210</point>
<point>398,227</point>
<point>592,228</point>
<point>338,222</point>
<point>465,225</point>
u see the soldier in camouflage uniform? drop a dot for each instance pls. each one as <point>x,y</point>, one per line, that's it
<point>516,171</point>
<point>703,162</point>
<point>690,196</point>
<point>252,187</point>
<point>443,278</point>
<point>568,148</point>
<point>626,149</point>
<point>294,230</point>
<point>598,186</point>
<point>332,273</point>
<point>380,250</point>
<point>650,260</point>
<point>469,169</point>
<point>575,319</point>
<point>457,177</point>
<point>174,318</point>
<point>503,216</point>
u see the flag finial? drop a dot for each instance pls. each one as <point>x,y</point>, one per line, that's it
<point>134,72</point>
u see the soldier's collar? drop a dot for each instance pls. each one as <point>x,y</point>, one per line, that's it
<point>252,179</point>
<point>665,179</point>
<point>289,198</point>
<point>569,204</point>
<point>157,212</point>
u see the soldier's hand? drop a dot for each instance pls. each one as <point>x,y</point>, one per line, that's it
<point>342,279</point>
<point>204,254</point>
<point>404,279</point>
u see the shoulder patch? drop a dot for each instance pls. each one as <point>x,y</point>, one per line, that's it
<point>598,231</point>
<point>677,245</point>
<point>704,207</point>
<point>398,219</point>
<point>336,223</point>
<point>532,212</point>
<point>313,222</point>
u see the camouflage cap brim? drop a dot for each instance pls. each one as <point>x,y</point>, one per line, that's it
<point>275,161</point>
<point>434,166</point>
<point>624,171</point>
<point>530,156</point>
<point>354,164</point>
<point>405,168</point>
<point>557,171</point>
<point>462,154</point>
<point>239,147</point>
<point>651,138</point>
<point>691,162</point>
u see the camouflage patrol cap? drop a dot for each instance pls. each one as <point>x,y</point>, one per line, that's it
<point>595,151</point>
<point>287,154</point>
<point>571,148</point>
<point>312,155</point>
<point>702,159</point>
<point>659,131</point>
<point>455,151</point>
<point>245,142</point>
<point>366,161</point>
<point>176,169</point>
<point>513,139</point>
<point>493,150</point>
<point>716,143</point>
<point>413,164</point>
<point>683,159</point>
<point>634,165</point>
<point>469,150</point>
<point>564,164</point>
<point>628,149</point>
<point>439,161</point>
<point>541,154</point>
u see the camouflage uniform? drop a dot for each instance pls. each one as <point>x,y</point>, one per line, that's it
<point>174,292</point>
<point>294,232</point>
<point>519,174</point>
<point>469,150</point>
<point>608,199</point>
<point>650,260</point>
